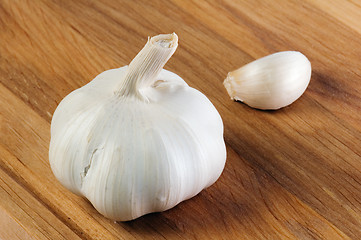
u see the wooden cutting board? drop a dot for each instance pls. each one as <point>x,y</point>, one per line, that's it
<point>294,173</point>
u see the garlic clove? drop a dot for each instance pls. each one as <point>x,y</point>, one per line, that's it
<point>271,82</point>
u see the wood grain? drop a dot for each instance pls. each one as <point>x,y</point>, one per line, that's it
<point>294,173</point>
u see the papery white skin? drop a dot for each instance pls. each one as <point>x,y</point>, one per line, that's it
<point>271,82</point>
<point>136,153</point>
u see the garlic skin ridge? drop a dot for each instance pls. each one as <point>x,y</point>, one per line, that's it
<point>137,139</point>
<point>271,82</point>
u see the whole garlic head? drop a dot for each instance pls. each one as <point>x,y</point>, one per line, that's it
<point>271,82</point>
<point>137,139</point>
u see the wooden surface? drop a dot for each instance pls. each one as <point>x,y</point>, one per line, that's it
<point>290,174</point>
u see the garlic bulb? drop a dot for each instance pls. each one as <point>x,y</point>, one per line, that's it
<point>137,139</point>
<point>271,82</point>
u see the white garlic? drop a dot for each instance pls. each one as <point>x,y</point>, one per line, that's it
<point>137,139</point>
<point>271,82</point>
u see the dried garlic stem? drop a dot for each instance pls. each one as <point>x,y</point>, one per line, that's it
<point>146,66</point>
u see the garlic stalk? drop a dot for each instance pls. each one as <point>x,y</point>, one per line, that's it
<point>271,82</point>
<point>137,139</point>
